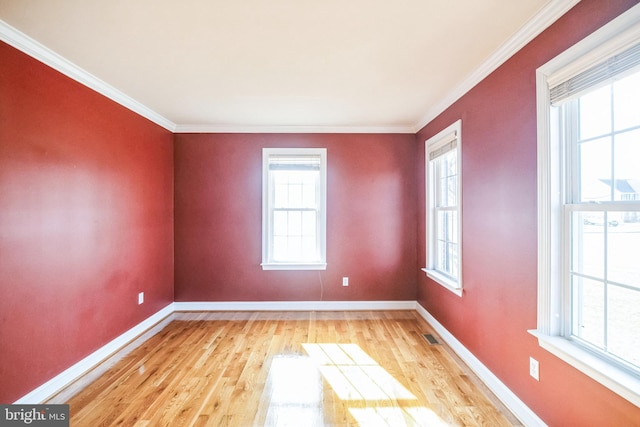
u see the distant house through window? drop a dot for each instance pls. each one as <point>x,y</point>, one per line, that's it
<point>294,208</point>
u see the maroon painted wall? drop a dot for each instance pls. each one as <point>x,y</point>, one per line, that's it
<point>86,221</point>
<point>500,233</point>
<point>370,219</point>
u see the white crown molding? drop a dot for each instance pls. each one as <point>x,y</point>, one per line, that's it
<point>31,47</point>
<point>547,16</point>
<point>293,129</point>
<point>502,392</point>
<point>294,305</point>
<point>543,19</point>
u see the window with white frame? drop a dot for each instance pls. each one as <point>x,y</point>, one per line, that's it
<point>294,208</point>
<point>443,196</point>
<point>589,206</point>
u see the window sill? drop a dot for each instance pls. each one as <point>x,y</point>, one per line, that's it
<point>443,281</point>
<point>289,266</point>
<point>617,380</point>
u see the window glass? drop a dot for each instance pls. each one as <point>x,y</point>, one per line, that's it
<point>627,165</point>
<point>595,170</point>
<point>442,153</point>
<point>605,233</point>
<point>595,113</point>
<point>627,102</point>
<point>294,208</point>
<point>588,103</point>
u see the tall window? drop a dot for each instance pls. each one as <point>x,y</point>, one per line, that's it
<point>589,207</point>
<point>293,208</point>
<point>443,195</point>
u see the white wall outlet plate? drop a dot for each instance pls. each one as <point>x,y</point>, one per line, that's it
<point>534,368</point>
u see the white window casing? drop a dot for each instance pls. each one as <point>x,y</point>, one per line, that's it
<point>444,219</point>
<point>569,75</point>
<point>294,187</point>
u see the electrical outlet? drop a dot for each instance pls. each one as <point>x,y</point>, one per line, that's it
<point>534,368</point>
<point>345,281</point>
<point>140,298</point>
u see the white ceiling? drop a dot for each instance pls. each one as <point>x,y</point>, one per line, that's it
<point>277,65</point>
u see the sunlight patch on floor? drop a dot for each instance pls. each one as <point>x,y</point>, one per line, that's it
<point>295,392</point>
<point>397,417</point>
<point>355,376</point>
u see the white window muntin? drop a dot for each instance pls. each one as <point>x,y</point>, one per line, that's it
<point>598,223</point>
<point>294,208</point>
<point>443,179</point>
<point>554,213</point>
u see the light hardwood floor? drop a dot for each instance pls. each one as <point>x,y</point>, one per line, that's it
<point>289,369</point>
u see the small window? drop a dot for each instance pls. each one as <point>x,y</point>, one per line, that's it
<point>294,209</point>
<point>443,196</point>
<point>589,206</point>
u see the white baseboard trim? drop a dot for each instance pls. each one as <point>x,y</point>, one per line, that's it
<point>64,385</point>
<point>294,305</point>
<point>502,392</point>
<point>97,362</point>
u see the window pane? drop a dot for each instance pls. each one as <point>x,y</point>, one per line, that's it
<point>295,189</point>
<point>447,180</point>
<point>295,193</point>
<point>627,165</point>
<point>295,236</point>
<point>595,170</point>
<point>280,223</point>
<point>623,249</point>
<point>587,243</point>
<point>280,192</point>
<point>627,102</point>
<point>309,248</point>
<point>588,310</point>
<point>447,258</point>
<point>441,229</point>
<point>452,193</point>
<point>294,248</point>
<point>309,191</point>
<point>294,186</point>
<point>623,338</point>
<point>441,193</point>
<point>447,163</point>
<point>452,250</point>
<point>442,259</point>
<point>309,223</point>
<point>447,227</point>
<point>595,113</point>
<point>295,231</point>
<point>280,248</point>
<point>453,227</point>
<point>294,227</point>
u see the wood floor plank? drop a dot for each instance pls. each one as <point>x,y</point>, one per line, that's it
<point>284,368</point>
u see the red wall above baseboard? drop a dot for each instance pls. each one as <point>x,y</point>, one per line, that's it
<point>86,221</point>
<point>499,205</point>
<point>370,219</point>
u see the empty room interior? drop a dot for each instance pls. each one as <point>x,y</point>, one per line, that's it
<point>321,213</point>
